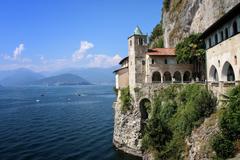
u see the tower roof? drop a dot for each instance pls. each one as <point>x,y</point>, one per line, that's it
<point>138,31</point>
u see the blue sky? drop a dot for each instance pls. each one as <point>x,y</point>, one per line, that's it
<point>48,35</point>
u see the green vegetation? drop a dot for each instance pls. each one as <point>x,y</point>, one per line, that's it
<point>126,100</point>
<point>175,112</point>
<point>229,121</point>
<point>156,37</point>
<point>190,50</point>
<point>166,5</point>
<point>115,90</point>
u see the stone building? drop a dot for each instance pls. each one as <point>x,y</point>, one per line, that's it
<point>222,41</point>
<point>147,66</point>
<point>144,71</point>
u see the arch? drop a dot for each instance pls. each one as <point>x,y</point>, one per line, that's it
<point>213,74</point>
<point>177,76</point>
<point>167,77</point>
<point>144,104</point>
<point>156,77</point>
<point>228,72</point>
<point>186,76</point>
<point>235,28</point>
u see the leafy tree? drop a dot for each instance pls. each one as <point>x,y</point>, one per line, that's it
<point>223,147</point>
<point>190,49</point>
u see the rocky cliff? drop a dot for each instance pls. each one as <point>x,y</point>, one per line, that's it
<point>187,16</point>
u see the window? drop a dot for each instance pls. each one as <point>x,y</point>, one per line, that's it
<point>165,61</point>
<point>235,59</point>
<point>153,61</point>
<point>209,42</point>
<point>222,37</point>
<point>226,33</point>
<point>143,62</point>
<point>130,42</point>
<point>216,38</point>
<point>140,41</point>
<point>219,63</point>
<point>235,28</point>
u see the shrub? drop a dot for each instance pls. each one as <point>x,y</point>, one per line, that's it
<point>166,4</point>
<point>190,49</point>
<point>223,147</point>
<point>176,110</point>
<point>126,100</point>
<point>223,144</point>
<point>230,119</point>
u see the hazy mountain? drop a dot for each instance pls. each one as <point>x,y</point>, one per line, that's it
<point>25,76</point>
<point>63,79</point>
<point>19,77</point>
<point>93,75</point>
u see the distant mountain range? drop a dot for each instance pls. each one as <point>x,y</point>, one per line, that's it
<point>24,76</point>
<point>63,79</point>
<point>19,77</point>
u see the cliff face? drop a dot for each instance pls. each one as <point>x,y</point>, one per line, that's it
<point>188,16</point>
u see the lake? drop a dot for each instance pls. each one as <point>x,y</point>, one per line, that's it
<point>57,123</point>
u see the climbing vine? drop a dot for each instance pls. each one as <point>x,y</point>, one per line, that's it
<point>126,100</point>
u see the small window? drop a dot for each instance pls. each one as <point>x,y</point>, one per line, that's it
<point>130,42</point>
<point>235,28</point>
<point>209,42</point>
<point>222,37</point>
<point>226,33</point>
<point>218,63</point>
<point>143,62</point>
<point>166,61</point>
<point>235,59</point>
<point>153,62</point>
<point>140,41</point>
<point>216,39</point>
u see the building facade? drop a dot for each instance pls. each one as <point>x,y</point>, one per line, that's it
<point>222,42</point>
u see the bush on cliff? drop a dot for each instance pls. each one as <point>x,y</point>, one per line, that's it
<point>126,100</point>
<point>177,109</point>
<point>229,125</point>
<point>190,49</point>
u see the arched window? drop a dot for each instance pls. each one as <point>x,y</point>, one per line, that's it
<point>235,28</point>
<point>209,42</point>
<point>235,60</point>
<point>213,74</point>
<point>222,37</point>
<point>167,77</point>
<point>156,77</point>
<point>216,39</point>
<point>186,76</point>
<point>226,33</point>
<point>177,77</point>
<point>228,72</point>
<point>130,43</point>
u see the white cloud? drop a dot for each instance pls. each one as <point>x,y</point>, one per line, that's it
<point>104,61</point>
<point>18,51</point>
<point>84,47</point>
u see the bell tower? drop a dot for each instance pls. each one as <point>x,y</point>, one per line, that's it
<point>137,47</point>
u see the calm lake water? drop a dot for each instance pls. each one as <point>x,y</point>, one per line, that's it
<point>57,123</point>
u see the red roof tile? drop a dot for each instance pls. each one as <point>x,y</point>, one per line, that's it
<point>161,52</point>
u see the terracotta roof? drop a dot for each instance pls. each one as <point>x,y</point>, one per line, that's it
<point>161,52</point>
<point>124,59</point>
